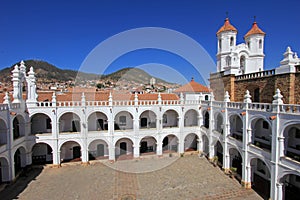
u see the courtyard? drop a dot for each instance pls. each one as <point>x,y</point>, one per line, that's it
<point>148,177</point>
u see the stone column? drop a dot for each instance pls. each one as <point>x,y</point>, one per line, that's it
<point>111,153</point>
<point>279,190</point>
<point>136,150</point>
<point>55,154</point>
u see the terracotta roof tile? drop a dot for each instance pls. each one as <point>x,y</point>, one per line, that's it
<point>254,30</point>
<point>192,86</point>
<point>226,27</point>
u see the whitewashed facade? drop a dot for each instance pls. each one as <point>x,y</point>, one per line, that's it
<point>261,140</point>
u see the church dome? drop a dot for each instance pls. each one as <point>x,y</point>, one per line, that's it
<point>254,30</point>
<point>226,27</point>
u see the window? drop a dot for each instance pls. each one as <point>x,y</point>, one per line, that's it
<point>231,41</point>
<point>165,119</point>
<point>16,128</point>
<point>228,61</point>
<point>242,62</point>
<point>265,125</point>
<point>220,44</point>
<point>122,120</point>
<point>260,44</point>
<point>48,123</point>
<point>249,45</point>
<point>206,98</point>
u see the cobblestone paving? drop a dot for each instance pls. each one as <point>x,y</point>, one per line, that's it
<point>185,178</point>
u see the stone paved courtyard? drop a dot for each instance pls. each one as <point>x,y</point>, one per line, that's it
<point>188,177</point>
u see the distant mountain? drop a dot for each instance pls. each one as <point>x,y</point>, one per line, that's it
<point>47,72</point>
<point>132,74</point>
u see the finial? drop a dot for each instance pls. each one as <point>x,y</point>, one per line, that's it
<point>226,14</point>
<point>192,79</point>
<point>226,97</point>
<point>277,97</point>
<point>247,97</point>
<point>254,19</point>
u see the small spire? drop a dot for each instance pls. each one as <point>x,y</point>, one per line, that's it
<point>277,97</point>
<point>247,97</point>
<point>53,97</point>
<point>226,97</point>
<point>6,98</point>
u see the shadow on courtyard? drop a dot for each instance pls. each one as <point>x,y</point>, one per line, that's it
<point>12,190</point>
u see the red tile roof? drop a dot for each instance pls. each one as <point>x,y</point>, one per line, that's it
<point>226,27</point>
<point>254,30</point>
<point>95,96</point>
<point>192,86</point>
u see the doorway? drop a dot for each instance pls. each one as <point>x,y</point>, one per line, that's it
<point>100,150</point>
<point>76,152</point>
<point>123,148</point>
<point>100,124</point>
<point>144,122</point>
<point>144,147</point>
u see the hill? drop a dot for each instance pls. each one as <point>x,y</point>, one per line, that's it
<point>47,72</point>
<point>132,74</point>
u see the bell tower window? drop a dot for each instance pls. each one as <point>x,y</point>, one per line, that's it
<point>260,44</point>
<point>228,61</point>
<point>231,41</point>
<point>220,44</point>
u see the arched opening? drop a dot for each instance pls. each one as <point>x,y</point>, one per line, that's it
<point>243,62</point>
<point>228,61</point>
<point>231,41</point>
<point>236,162</point>
<point>261,134</point>
<point>4,170</point>
<point>191,118</point>
<point>220,44</point>
<point>260,44</point>
<point>40,123</point>
<point>219,153</point>
<point>18,127</point>
<point>123,121</point>
<point>148,145</point>
<point>260,178</point>
<point>69,122</point>
<point>41,154</point>
<point>3,132</point>
<point>124,149</point>
<point>292,141</point>
<point>205,144</point>
<point>256,95</point>
<point>170,119</point>
<point>290,187</point>
<point>170,144</point>
<point>191,142</point>
<point>219,123</point>
<point>98,149</point>
<point>70,152</point>
<point>19,160</point>
<point>148,119</point>
<point>236,127</point>
<point>97,121</point>
<point>206,119</point>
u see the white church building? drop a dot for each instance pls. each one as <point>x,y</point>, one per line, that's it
<point>260,141</point>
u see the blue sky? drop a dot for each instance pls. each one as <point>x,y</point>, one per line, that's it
<point>64,33</point>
